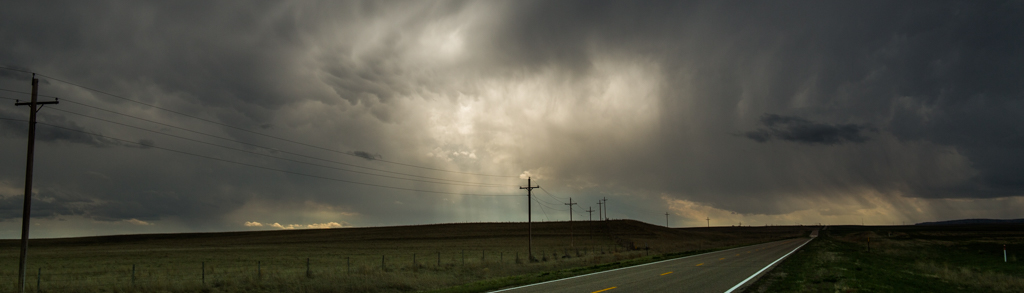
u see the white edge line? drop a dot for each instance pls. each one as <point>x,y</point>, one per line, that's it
<point>768,266</point>
<point>640,265</point>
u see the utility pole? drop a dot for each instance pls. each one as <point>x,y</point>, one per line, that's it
<point>605,207</point>
<point>570,204</point>
<point>600,211</point>
<point>529,214</point>
<point>709,222</point>
<point>25,214</point>
<point>590,212</point>
<point>666,219</point>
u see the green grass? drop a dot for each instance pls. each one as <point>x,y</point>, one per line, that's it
<point>903,259</point>
<point>349,259</point>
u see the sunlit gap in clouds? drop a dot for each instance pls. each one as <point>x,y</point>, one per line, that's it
<point>867,207</point>
<point>539,119</point>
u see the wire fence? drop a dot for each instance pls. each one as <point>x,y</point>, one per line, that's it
<point>175,275</point>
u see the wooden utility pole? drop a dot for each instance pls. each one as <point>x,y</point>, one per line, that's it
<point>709,222</point>
<point>666,219</point>
<point>570,204</point>
<point>605,207</point>
<point>600,211</point>
<point>590,213</point>
<point>25,214</point>
<point>529,214</point>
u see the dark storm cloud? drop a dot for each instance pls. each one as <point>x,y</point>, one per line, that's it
<point>801,130</point>
<point>366,155</point>
<point>945,77</point>
<point>45,204</point>
<point>933,88</point>
<point>52,128</point>
<point>11,208</point>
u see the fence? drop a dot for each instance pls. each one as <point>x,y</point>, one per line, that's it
<point>183,275</point>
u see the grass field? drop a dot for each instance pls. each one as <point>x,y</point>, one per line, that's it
<point>965,258</point>
<point>444,257</point>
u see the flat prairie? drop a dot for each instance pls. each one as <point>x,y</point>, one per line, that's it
<point>927,258</point>
<point>467,257</point>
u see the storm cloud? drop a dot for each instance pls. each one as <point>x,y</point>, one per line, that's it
<point>800,130</point>
<point>781,112</point>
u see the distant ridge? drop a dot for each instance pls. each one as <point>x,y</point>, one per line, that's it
<point>973,221</point>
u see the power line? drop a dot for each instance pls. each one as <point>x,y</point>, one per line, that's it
<point>579,213</point>
<point>542,209</point>
<point>556,198</point>
<point>551,206</point>
<point>547,202</point>
<point>253,145</point>
<point>13,119</point>
<point>21,92</point>
<point>267,168</point>
<point>276,157</point>
<point>15,69</point>
<point>552,196</point>
<point>249,131</point>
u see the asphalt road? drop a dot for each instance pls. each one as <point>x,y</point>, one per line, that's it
<point>720,271</point>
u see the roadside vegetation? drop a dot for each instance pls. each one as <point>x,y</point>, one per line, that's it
<point>966,258</point>
<point>445,257</point>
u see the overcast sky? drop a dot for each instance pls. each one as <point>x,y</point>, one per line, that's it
<point>754,112</point>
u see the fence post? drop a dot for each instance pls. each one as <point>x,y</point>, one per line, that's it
<point>204,273</point>
<point>39,276</point>
<point>308,274</point>
<point>133,275</point>
<point>382,263</point>
<point>414,261</point>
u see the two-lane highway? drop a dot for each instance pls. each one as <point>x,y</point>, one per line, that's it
<point>719,271</point>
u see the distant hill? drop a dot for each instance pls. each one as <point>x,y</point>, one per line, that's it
<point>973,222</point>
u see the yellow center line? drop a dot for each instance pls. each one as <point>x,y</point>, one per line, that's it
<point>737,254</point>
<point>666,273</point>
<point>721,258</point>
<point>602,290</point>
<point>700,264</point>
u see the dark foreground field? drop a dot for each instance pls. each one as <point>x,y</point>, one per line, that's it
<point>962,258</point>
<point>445,257</point>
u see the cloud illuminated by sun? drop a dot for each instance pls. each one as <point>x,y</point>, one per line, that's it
<point>328,225</point>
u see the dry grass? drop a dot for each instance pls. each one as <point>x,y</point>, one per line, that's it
<point>349,259</point>
<point>960,275</point>
<point>966,258</point>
